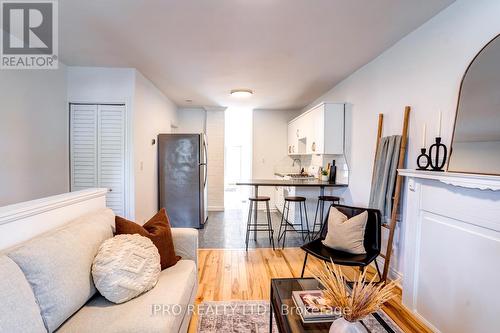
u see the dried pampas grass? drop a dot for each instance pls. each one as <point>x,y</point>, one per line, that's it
<point>365,298</point>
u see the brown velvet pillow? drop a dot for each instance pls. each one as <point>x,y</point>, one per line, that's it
<point>158,230</point>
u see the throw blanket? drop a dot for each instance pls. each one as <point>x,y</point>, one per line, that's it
<point>384,176</point>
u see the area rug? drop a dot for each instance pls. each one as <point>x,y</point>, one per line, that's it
<point>253,317</point>
<point>234,317</point>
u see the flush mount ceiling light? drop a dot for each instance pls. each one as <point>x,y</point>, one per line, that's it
<point>241,92</point>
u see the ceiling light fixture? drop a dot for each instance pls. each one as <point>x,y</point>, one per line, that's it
<point>241,92</point>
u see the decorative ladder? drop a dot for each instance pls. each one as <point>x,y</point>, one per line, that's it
<point>397,190</point>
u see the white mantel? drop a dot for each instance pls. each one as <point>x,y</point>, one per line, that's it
<point>452,250</point>
<point>469,180</point>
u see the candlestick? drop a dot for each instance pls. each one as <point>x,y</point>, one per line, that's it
<point>423,165</point>
<point>423,135</point>
<point>439,123</point>
<point>436,161</point>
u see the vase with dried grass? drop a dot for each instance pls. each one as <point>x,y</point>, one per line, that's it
<point>365,297</point>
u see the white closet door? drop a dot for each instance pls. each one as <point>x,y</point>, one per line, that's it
<point>111,154</point>
<point>83,146</point>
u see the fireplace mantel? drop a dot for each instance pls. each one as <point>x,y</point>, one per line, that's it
<point>468,180</point>
<point>451,225</point>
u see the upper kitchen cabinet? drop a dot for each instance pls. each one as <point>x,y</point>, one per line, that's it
<point>319,130</point>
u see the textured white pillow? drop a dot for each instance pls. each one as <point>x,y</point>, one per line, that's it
<point>125,267</point>
<point>344,234</point>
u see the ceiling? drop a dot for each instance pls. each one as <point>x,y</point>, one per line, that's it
<point>288,51</point>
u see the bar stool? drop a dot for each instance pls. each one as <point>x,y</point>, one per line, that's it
<point>285,222</point>
<point>321,204</point>
<point>254,201</point>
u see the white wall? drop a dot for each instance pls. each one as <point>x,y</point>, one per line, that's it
<point>270,145</point>
<point>33,134</point>
<point>192,120</point>
<point>154,113</point>
<point>422,70</point>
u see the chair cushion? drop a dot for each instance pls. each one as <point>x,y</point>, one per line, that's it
<point>152,311</point>
<point>125,267</point>
<point>57,265</point>
<point>158,230</point>
<point>344,234</point>
<point>19,311</point>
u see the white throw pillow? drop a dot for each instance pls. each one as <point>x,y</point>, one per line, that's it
<point>344,234</point>
<point>125,267</point>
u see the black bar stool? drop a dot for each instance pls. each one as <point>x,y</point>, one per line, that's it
<point>285,222</point>
<point>254,201</point>
<point>321,205</point>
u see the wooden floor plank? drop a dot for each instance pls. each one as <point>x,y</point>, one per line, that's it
<point>226,275</point>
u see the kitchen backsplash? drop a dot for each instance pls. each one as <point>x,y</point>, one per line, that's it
<point>312,164</point>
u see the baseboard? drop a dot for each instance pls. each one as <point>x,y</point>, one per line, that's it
<point>215,208</point>
<point>393,274</point>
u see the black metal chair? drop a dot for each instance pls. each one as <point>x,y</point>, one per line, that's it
<point>320,206</point>
<point>372,241</point>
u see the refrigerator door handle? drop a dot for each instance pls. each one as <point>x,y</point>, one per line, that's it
<point>206,159</point>
<point>205,181</point>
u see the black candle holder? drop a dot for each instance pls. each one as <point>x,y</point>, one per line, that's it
<point>435,150</point>
<point>425,157</point>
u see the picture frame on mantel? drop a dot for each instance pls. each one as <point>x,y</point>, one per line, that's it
<point>475,144</point>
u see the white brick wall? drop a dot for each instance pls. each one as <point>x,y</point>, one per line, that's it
<point>215,140</point>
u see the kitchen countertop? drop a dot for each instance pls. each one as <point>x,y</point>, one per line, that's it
<point>289,182</point>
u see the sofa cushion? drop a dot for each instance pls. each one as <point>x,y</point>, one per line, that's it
<point>158,230</point>
<point>19,311</point>
<point>58,265</point>
<point>125,267</point>
<point>149,312</point>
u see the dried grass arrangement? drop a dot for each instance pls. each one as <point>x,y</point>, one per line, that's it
<point>365,298</point>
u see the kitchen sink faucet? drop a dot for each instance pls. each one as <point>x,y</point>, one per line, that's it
<point>300,164</point>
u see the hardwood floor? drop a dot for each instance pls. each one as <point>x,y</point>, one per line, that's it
<point>236,275</point>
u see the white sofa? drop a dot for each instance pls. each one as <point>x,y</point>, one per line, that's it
<point>46,283</point>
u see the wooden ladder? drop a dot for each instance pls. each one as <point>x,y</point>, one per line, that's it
<point>397,190</point>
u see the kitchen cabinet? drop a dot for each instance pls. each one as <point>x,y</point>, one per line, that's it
<point>319,130</point>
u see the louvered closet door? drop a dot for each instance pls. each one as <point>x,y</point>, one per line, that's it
<point>83,147</point>
<point>97,151</point>
<point>111,155</point>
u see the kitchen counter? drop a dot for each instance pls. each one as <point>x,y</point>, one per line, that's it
<point>289,182</point>
<point>306,185</point>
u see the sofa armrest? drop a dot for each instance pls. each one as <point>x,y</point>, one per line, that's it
<point>186,243</point>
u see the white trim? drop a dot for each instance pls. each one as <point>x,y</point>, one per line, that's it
<point>215,208</point>
<point>468,180</point>
<point>26,209</point>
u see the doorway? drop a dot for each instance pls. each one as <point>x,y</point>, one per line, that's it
<point>237,156</point>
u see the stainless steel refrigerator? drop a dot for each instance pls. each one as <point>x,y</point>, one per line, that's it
<point>182,178</point>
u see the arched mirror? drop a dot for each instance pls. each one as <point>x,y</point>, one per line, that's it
<point>476,138</point>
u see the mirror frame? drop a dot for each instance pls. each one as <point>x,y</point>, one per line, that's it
<point>458,107</point>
